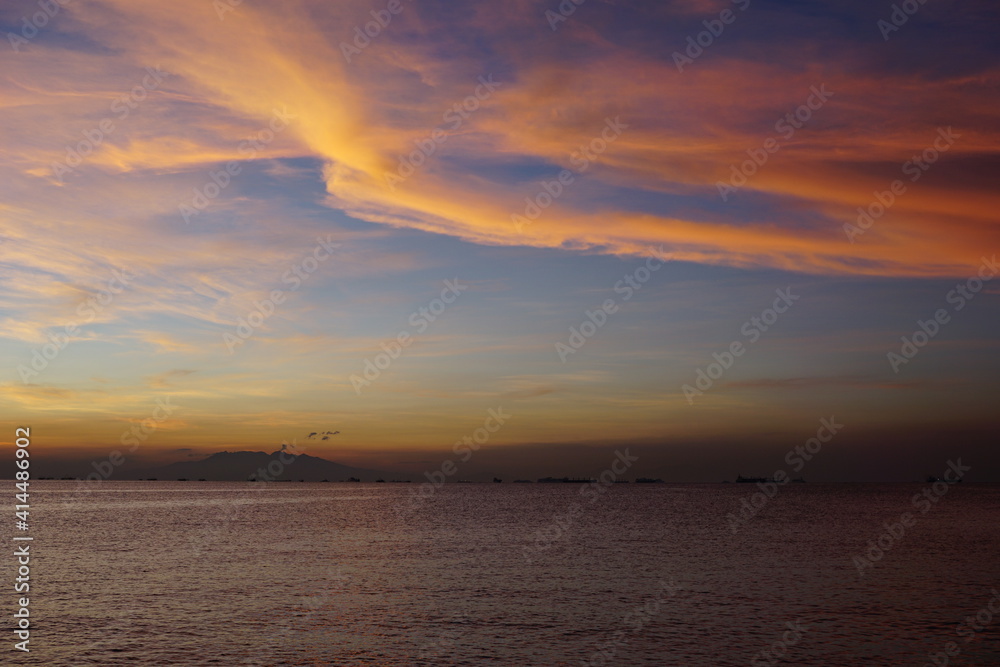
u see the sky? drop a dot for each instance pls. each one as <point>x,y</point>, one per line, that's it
<point>616,224</point>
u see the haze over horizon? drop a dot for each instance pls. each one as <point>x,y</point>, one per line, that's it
<point>228,226</point>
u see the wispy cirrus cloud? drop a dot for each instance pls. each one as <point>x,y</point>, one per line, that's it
<point>658,182</point>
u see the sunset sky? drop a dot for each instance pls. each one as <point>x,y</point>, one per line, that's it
<point>168,168</point>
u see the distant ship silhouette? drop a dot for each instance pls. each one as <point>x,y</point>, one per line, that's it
<point>740,479</point>
<point>241,465</point>
<point>931,479</point>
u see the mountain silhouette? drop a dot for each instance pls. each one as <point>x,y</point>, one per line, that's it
<point>240,466</point>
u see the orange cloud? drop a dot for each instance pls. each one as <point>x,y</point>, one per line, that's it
<point>228,77</point>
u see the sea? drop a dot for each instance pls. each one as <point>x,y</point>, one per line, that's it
<point>236,573</point>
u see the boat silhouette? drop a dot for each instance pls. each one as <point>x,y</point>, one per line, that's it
<point>740,479</point>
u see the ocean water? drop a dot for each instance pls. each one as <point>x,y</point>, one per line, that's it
<point>195,573</point>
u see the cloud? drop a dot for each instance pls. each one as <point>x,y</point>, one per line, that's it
<point>529,393</point>
<point>162,380</point>
<point>228,77</point>
<point>817,382</point>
